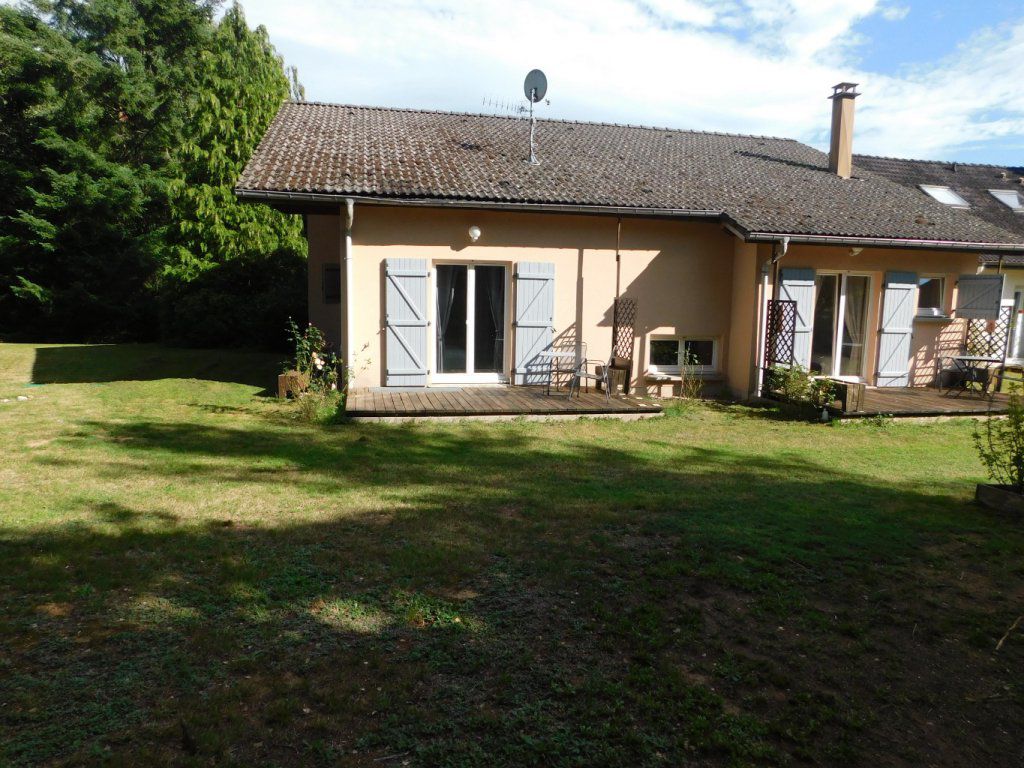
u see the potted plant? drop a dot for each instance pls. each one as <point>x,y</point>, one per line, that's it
<point>1001,448</point>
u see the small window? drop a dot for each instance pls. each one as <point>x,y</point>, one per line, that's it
<point>665,354</point>
<point>945,195</point>
<point>670,355</point>
<point>332,284</point>
<point>1010,198</point>
<point>930,293</point>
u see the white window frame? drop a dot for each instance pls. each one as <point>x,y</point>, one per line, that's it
<point>496,377</point>
<point>999,194</point>
<point>837,330</point>
<point>933,190</point>
<point>674,370</point>
<point>942,297</point>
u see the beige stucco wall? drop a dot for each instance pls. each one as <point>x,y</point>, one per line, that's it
<point>689,279</point>
<point>324,236</point>
<point>744,319</point>
<point>930,338</point>
<point>679,272</point>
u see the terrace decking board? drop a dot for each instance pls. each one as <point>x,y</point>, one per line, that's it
<point>925,401</point>
<point>490,401</point>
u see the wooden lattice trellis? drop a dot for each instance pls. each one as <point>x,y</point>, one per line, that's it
<point>623,328</point>
<point>780,336</point>
<point>623,334</point>
<point>989,338</point>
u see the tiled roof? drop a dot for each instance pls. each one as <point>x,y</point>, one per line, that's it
<point>971,181</point>
<point>759,184</point>
<point>1009,260</point>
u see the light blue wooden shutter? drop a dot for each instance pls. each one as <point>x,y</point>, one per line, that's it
<point>406,322</point>
<point>535,318</point>
<point>797,284</point>
<point>899,305</point>
<point>979,296</point>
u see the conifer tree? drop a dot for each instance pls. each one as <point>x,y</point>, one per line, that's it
<point>241,84</point>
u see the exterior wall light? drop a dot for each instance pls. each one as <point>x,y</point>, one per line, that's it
<point>474,233</point>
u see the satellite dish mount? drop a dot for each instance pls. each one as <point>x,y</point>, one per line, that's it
<point>535,86</point>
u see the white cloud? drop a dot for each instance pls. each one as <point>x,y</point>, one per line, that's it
<point>678,12</point>
<point>895,12</point>
<point>754,66</point>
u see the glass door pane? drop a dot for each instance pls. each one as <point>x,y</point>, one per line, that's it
<point>823,333</point>
<point>451,318</point>
<point>855,318</point>
<point>489,319</point>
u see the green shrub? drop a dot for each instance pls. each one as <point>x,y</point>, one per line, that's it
<point>821,392</point>
<point>314,358</point>
<point>1001,444</point>
<point>790,383</point>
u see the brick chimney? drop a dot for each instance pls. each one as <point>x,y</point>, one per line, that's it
<point>840,154</point>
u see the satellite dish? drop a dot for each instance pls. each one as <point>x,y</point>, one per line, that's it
<point>535,85</point>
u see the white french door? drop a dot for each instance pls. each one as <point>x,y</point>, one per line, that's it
<point>470,308</point>
<point>840,324</point>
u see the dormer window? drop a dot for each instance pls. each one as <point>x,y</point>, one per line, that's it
<point>1008,197</point>
<point>944,195</point>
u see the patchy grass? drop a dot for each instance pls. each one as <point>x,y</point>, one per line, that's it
<point>192,575</point>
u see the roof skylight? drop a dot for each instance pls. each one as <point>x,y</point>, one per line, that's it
<point>1008,197</point>
<point>945,195</point>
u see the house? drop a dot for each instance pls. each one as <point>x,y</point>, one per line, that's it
<point>438,254</point>
<point>990,192</point>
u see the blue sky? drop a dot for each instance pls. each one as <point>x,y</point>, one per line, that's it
<point>941,79</point>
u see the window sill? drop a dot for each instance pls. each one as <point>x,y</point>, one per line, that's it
<point>664,376</point>
<point>933,318</point>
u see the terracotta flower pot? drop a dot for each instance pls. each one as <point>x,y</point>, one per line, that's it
<point>1002,498</point>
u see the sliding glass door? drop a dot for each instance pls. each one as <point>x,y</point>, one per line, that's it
<point>839,330</point>
<point>470,323</point>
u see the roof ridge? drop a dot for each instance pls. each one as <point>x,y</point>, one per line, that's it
<point>935,162</point>
<point>564,121</point>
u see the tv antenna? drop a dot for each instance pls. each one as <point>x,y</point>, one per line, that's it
<point>513,107</point>
<point>535,86</point>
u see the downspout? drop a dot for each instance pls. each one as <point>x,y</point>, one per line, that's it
<point>347,313</point>
<point>762,329</point>
<point>618,269</point>
<point>778,251</point>
<point>618,255</point>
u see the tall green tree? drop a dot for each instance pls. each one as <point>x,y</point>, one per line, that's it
<point>237,271</point>
<point>241,85</point>
<point>123,126</point>
<point>92,100</point>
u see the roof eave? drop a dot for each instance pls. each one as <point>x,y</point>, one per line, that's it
<point>298,200</point>
<point>320,198</point>
<point>883,242</point>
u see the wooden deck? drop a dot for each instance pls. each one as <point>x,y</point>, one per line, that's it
<point>493,402</point>
<point>924,401</point>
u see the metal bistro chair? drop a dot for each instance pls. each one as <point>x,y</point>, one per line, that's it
<point>583,372</point>
<point>561,358</point>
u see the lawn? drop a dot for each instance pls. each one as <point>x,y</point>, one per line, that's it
<point>191,575</point>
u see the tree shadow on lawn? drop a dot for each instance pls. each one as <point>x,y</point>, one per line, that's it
<point>476,595</point>
<point>92,363</point>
